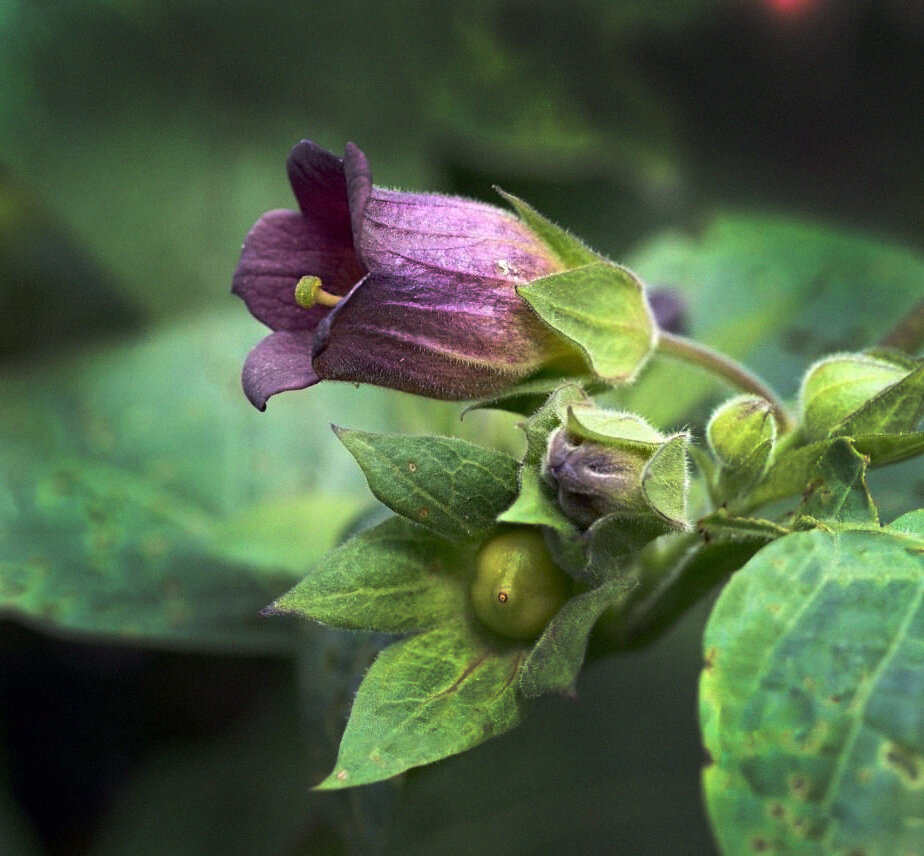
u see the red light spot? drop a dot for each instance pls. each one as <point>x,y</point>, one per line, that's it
<point>790,7</point>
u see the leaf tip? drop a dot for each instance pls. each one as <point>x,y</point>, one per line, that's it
<point>336,780</point>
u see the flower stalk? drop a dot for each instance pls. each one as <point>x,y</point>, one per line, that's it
<point>688,351</point>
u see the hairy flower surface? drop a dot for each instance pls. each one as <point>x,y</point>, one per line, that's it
<point>411,291</point>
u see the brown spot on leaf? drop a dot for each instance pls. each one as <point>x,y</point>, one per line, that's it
<point>905,762</point>
<point>799,785</point>
<point>411,467</point>
<point>423,513</point>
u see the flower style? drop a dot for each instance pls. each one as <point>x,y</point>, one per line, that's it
<point>410,291</point>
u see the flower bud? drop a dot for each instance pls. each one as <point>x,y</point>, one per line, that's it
<point>837,387</point>
<point>742,434</point>
<point>517,587</point>
<point>605,463</point>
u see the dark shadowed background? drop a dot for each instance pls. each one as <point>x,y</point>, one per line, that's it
<point>763,156</point>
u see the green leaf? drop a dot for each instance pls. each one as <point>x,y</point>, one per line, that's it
<point>396,577</point>
<point>448,485</point>
<point>284,533</point>
<point>571,250</point>
<point>555,660</point>
<point>600,307</point>
<point>840,386</point>
<point>142,497</point>
<point>897,409</point>
<point>425,698</point>
<point>836,492</point>
<point>812,697</point>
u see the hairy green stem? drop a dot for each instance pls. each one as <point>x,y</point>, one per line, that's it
<point>688,351</point>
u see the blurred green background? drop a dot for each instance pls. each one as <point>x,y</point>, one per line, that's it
<point>761,156</point>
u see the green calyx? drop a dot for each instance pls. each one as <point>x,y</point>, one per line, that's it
<point>742,434</point>
<point>605,462</point>
<point>517,587</point>
<point>839,389</point>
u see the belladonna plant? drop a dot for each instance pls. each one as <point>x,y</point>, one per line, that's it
<point>500,576</point>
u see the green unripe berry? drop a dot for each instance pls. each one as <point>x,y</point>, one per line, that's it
<point>517,587</point>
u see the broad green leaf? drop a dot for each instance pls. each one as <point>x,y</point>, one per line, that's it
<point>571,250</point>
<point>836,492</point>
<point>555,660</point>
<point>142,496</point>
<point>284,533</point>
<point>812,698</point>
<point>448,485</point>
<point>773,293</point>
<point>602,309</point>
<point>425,698</point>
<point>395,577</point>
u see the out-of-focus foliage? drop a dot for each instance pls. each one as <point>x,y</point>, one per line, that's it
<point>142,497</point>
<point>775,294</point>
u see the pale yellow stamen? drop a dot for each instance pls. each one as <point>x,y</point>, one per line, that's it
<point>308,293</point>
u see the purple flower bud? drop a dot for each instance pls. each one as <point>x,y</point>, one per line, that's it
<point>592,480</point>
<point>405,290</point>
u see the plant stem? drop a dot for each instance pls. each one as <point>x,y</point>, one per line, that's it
<point>734,373</point>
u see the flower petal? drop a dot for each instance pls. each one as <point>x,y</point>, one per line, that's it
<point>319,184</point>
<point>443,336</point>
<point>418,234</point>
<point>359,190</point>
<point>282,361</point>
<point>280,249</point>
